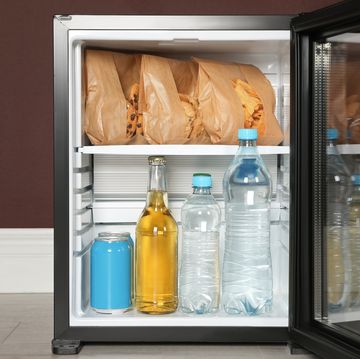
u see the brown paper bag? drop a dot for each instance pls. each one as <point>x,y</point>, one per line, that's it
<point>272,134</point>
<point>253,107</point>
<point>220,107</point>
<point>106,106</point>
<point>352,117</point>
<point>335,87</point>
<point>167,89</point>
<point>128,69</point>
<point>185,75</point>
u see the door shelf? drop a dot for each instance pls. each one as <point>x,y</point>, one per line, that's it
<point>350,315</point>
<point>176,150</point>
<point>349,149</point>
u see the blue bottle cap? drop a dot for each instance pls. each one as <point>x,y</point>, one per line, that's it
<point>332,134</point>
<point>247,134</point>
<point>356,179</point>
<point>201,180</point>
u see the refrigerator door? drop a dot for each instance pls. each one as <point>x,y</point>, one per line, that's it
<point>325,202</point>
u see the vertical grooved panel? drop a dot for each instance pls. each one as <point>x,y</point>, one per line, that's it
<point>127,176</point>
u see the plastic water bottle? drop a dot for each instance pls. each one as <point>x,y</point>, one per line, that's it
<point>336,232</point>
<point>354,234</point>
<point>247,269</point>
<point>199,270</point>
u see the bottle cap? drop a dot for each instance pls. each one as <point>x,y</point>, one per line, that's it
<point>157,160</point>
<point>201,180</point>
<point>356,179</point>
<point>332,134</point>
<point>247,134</point>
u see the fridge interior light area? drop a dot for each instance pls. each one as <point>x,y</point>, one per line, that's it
<point>110,182</point>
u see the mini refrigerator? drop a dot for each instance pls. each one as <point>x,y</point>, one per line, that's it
<point>103,188</point>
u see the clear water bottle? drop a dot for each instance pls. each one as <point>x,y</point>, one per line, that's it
<point>354,235</point>
<point>336,232</point>
<point>199,270</point>
<point>247,269</point>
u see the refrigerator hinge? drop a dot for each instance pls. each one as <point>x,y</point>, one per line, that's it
<point>65,18</point>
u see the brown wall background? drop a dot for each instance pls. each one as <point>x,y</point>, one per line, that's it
<point>26,88</point>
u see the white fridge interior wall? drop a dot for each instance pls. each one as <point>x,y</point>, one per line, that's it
<point>110,189</point>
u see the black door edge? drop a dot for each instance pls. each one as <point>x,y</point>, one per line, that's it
<point>323,340</point>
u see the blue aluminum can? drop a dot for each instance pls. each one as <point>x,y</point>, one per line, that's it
<point>111,273</point>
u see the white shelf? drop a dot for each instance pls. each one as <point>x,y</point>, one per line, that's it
<point>178,319</point>
<point>195,150</point>
<point>176,150</point>
<point>349,149</point>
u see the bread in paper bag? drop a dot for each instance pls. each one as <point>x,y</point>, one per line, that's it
<point>219,106</point>
<point>168,104</point>
<point>253,107</point>
<point>106,103</point>
<point>128,68</point>
<point>185,75</point>
<point>353,100</point>
<point>270,132</point>
<point>234,96</point>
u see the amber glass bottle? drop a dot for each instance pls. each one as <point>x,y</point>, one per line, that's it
<point>156,247</point>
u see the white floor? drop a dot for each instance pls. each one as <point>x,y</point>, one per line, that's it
<point>26,326</point>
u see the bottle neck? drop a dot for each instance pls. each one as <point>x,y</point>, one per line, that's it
<point>202,190</point>
<point>331,147</point>
<point>157,195</point>
<point>157,179</point>
<point>247,147</point>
